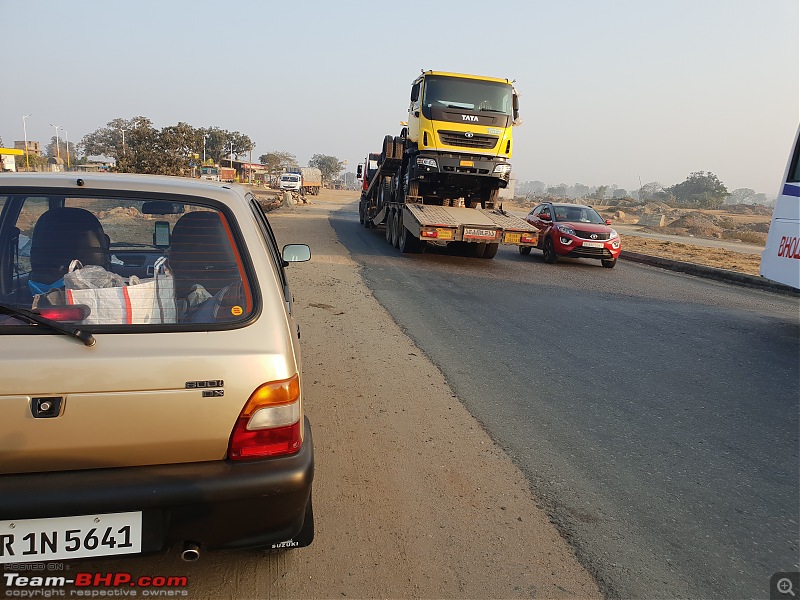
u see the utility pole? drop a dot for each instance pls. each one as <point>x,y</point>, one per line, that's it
<point>25,133</point>
<point>58,147</point>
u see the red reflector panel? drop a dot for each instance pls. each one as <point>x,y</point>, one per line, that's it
<point>76,312</point>
<point>263,442</point>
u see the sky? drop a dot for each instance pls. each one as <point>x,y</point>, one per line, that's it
<point>613,92</point>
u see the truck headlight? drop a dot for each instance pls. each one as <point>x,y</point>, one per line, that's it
<point>503,168</point>
<point>427,162</point>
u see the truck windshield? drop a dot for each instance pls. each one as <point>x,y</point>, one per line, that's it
<point>467,94</point>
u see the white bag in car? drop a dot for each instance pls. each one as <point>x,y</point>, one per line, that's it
<point>142,301</point>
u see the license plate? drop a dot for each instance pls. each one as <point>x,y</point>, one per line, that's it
<point>479,233</point>
<point>26,540</point>
<point>593,244</point>
<point>466,163</point>
<point>512,238</point>
<point>444,234</point>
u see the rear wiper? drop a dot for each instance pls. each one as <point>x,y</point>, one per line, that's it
<point>32,317</point>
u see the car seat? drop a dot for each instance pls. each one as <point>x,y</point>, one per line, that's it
<point>60,236</point>
<point>201,253</point>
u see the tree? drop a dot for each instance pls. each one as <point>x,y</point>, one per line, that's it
<point>558,191</point>
<point>700,189</point>
<point>329,166</point>
<point>741,196</point>
<point>278,162</point>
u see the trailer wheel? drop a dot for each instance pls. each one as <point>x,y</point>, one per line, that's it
<point>491,251</point>
<point>409,243</point>
<point>524,250</point>
<point>389,225</point>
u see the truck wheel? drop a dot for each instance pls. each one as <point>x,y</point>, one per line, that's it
<point>549,251</point>
<point>361,212</point>
<point>491,250</point>
<point>388,148</point>
<point>491,198</point>
<point>413,188</point>
<point>397,224</point>
<point>399,147</point>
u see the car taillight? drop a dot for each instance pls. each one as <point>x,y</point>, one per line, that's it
<point>270,423</point>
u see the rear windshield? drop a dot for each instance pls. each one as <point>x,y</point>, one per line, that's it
<point>123,262</point>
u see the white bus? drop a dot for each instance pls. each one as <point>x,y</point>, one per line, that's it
<point>780,260</point>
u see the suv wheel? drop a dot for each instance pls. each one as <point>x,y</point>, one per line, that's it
<point>549,251</point>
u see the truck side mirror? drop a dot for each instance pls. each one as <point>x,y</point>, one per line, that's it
<point>359,171</point>
<point>515,109</point>
<point>415,92</point>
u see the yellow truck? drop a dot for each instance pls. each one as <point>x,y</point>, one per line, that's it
<point>439,180</point>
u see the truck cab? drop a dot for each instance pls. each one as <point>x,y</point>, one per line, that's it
<point>290,181</point>
<point>458,139</point>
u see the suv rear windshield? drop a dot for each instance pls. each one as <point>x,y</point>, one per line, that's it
<point>119,261</point>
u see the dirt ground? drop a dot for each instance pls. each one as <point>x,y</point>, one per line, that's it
<point>412,498</point>
<point>701,255</point>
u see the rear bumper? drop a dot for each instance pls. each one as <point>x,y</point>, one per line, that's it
<point>219,504</point>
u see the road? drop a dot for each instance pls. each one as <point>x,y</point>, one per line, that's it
<point>655,414</point>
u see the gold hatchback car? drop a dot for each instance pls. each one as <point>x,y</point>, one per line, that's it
<point>150,372</point>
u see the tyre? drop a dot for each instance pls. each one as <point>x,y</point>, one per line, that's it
<point>388,148</point>
<point>389,226</point>
<point>413,188</point>
<point>610,263</point>
<point>399,147</point>
<point>491,250</point>
<point>549,251</point>
<point>361,211</point>
<point>524,250</point>
<point>491,198</point>
<point>408,242</point>
<point>476,249</point>
<point>397,224</point>
<point>385,192</point>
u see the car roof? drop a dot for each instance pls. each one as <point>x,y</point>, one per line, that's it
<point>120,182</point>
<point>569,205</point>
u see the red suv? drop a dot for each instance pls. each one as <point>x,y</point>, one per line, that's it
<point>573,230</point>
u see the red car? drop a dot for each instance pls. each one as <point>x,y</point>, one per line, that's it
<point>573,230</point>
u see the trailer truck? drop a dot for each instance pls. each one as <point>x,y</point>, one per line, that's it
<point>439,180</point>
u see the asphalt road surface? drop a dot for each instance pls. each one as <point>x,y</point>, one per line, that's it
<point>654,413</point>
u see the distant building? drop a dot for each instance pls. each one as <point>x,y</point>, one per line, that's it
<point>8,159</point>
<point>33,147</point>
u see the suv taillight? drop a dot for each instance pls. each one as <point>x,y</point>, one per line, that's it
<point>270,422</point>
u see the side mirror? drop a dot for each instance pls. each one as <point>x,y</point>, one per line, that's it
<point>544,217</point>
<point>296,253</point>
<point>608,221</point>
<point>415,92</point>
<point>359,171</point>
<point>515,110</point>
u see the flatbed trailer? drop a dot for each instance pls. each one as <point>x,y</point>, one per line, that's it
<point>411,224</point>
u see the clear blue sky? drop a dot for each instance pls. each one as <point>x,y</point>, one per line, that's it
<point>612,90</point>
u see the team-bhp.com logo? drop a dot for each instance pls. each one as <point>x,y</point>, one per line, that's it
<point>93,585</point>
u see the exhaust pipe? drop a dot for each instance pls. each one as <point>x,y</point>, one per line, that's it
<point>190,552</point>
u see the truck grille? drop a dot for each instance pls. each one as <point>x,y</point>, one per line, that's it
<point>457,138</point>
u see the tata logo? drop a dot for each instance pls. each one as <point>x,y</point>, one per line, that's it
<point>593,236</point>
<point>469,118</point>
<point>468,134</point>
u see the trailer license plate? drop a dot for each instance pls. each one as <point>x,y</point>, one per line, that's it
<point>444,234</point>
<point>479,233</point>
<point>512,238</point>
<point>593,244</point>
<point>26,540</point>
